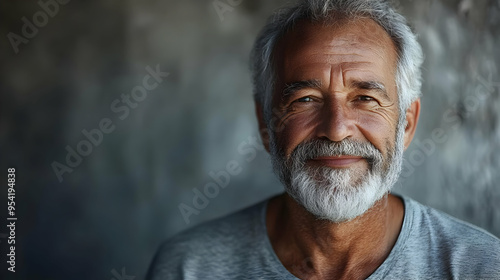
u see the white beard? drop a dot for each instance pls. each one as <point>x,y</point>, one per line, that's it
<point>335,198</point>
<point>332,194</point>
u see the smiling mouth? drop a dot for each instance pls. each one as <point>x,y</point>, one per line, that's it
<point>336,161</point>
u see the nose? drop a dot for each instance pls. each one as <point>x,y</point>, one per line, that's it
<point>336,122</point>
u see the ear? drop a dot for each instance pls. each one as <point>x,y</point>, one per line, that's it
<point>263,130</point>
<point>412,115</point>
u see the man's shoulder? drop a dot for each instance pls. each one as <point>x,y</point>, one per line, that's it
<point>206,246</point>
<point>221,230</point>
<point>460,247</point>
<point>448,228</point>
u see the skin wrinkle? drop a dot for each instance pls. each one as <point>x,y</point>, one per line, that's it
<point>364,70</point>
<point>345,72</point>
<point>291,87</point>
<point>350,44</point>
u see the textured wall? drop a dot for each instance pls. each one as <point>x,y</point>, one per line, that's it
<point>121,201</point>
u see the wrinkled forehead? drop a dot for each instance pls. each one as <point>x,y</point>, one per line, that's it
<point>340,36</point>
<point>352,43</point>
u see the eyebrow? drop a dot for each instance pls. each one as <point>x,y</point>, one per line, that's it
<point>292,87</point>
<point>370,85</point>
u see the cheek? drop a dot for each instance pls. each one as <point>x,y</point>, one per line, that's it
<point>380,131</point>
<point>295,129</point>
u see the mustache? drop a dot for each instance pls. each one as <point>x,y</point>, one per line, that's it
<point>324,148</point>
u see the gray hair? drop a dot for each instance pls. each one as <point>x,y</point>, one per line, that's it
<point>410,56</point>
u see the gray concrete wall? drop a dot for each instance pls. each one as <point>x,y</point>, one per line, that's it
<point>118,204</point>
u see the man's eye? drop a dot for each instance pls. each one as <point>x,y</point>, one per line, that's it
<point>304,99</point>
<point>365,98</point>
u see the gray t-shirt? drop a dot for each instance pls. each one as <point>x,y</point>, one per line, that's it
<point>431,245</point>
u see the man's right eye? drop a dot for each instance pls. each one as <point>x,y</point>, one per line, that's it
<point>304,99</point>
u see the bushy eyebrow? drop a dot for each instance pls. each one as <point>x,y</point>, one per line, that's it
<point>292,87</point>
<point>370,85</point>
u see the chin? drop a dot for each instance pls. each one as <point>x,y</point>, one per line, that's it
<point>335,197</point>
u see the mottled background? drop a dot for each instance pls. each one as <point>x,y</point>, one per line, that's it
<point>114,209</point>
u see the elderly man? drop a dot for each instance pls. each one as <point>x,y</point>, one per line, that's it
<point>337,87</point>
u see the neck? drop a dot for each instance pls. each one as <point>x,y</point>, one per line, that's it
<point>312,248</point>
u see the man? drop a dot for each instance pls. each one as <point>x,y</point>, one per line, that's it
<point>337,87</point>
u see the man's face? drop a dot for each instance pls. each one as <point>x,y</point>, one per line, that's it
<point>336,96</point>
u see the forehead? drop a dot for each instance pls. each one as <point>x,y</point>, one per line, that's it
<point>314,48</point>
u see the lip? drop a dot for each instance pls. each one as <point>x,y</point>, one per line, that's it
<point>337,162</point>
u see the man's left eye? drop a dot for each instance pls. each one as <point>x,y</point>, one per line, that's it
<point>365,98</point>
